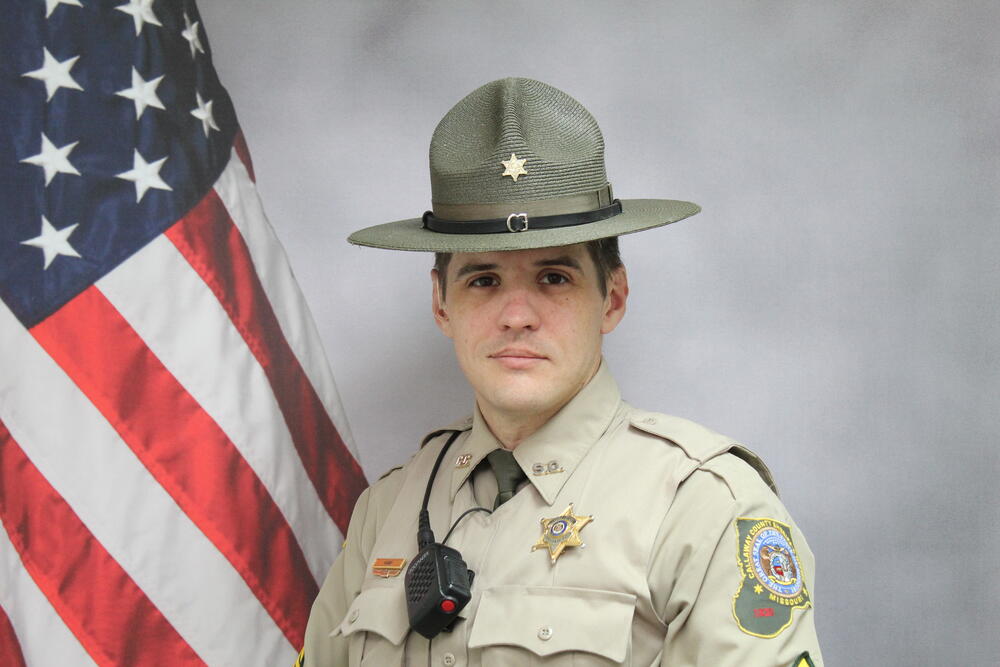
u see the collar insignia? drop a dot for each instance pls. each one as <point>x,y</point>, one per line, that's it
<point>561,531</point>
<point>514,167</point>
<point>550,468</point>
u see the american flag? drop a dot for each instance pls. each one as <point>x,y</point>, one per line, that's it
<point>173,482</point>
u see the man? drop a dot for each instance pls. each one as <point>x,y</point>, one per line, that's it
<point>617,536</point>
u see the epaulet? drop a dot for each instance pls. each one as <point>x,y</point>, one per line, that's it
<point>460,425</point>
<point>698,442</point>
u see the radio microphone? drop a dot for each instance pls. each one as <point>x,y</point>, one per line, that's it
<point>438,583</point>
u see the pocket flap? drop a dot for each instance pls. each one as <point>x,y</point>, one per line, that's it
<point>547,620</point>
<point>381,610</point>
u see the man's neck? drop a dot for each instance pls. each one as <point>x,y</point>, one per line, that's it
<point>511,430</point>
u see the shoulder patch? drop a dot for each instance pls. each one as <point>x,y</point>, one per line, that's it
<point>803,660</point>
<point>771,579</point>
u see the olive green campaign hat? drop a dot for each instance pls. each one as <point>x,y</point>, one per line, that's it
<point>518,164</point>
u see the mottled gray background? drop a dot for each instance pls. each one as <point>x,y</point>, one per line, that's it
<point>834,307</point>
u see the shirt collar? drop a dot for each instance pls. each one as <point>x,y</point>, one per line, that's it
<point>551,454</point>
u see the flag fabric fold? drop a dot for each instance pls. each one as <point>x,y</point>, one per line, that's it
<point>176,473</point>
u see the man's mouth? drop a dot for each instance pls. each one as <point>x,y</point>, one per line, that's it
<point>517,358</point>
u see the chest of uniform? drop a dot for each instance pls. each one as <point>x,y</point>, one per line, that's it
<point>551,581</point>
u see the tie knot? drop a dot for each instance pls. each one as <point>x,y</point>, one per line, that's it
<point>507,472</point>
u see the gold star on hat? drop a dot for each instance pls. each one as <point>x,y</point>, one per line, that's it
<point>513,167</point>
<point>561,532</point>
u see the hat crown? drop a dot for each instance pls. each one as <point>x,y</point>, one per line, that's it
<point>559,141</point>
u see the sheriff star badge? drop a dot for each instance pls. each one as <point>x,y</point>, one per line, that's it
<point>561,532</point>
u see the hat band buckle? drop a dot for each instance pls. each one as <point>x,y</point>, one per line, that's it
<point>523,226</point>
<point>518,222</point>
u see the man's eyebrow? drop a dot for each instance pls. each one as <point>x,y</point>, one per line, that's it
<point>474,268</point>
<point>563,260</point>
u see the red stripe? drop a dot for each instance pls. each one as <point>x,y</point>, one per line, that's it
<point>213,246</point>
<point>185,450</point>
<point>240,145</point>
<point>10,648</point>
<point>113,619</point>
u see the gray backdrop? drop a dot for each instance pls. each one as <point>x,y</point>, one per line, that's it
<point>834,307</point>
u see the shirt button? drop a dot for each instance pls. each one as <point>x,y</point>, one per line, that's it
<point>353,617</point>
<point>448,659</point>
<point>545,633</point>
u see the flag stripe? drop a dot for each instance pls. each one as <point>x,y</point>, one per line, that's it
<point>76,449</point>
<point>185,450</point>
<point>10,648</point>
<point>239,195</point>
<point>98,601</point>
<point>240,146</point>
<point>213,363</point>
<point>43,636</point>
<point>207,237</point>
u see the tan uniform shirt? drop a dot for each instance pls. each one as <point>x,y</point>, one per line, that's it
<point>690,558</point>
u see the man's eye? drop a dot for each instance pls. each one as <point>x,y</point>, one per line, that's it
<point>554,279</point>
<point>483,281</point>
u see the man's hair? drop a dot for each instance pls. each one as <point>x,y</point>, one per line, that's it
<point>604,252</point>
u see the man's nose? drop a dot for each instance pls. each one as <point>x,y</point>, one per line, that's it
<point>519,309</point>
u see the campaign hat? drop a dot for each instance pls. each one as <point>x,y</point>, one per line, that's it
<point>519,164</point>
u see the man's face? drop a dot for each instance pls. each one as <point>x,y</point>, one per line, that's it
<point>527,325</point>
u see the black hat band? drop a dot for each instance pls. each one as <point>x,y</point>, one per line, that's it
<point>519,222</point>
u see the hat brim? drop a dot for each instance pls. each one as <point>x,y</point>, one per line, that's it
<point>636,215</point>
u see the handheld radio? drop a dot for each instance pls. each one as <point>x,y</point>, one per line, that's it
<point>438,583</point>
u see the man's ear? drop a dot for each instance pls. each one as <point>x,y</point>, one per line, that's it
<point>614,302</point>
<point>438,305</point>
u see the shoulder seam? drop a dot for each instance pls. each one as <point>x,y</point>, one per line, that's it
<point>389,472</point>
<point>754,473</point>
<point>721,478</point>
<point>433,434</point>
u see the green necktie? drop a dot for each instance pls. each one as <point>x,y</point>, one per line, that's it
<point>507,472</point>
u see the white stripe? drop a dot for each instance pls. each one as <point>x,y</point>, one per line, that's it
<point>84,459</point>
<point>44,638</point>
<point>154,290</point>
<point>239,194</point>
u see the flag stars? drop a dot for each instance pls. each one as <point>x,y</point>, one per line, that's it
<point>141,12</point>
<point>190,33</point>
<point>53,242</point>
<point>204,114</point>
<point>55,73</point>
<point>54,160</point>
<point>143,93</point>
<point>50,5</point>
<point>145,175</point>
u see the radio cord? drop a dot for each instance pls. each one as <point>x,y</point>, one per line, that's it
<point>425,535</point>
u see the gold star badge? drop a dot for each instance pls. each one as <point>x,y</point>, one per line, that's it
<point>561,532</point>
<point>513,167</point>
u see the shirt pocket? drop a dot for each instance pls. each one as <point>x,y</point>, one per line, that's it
<point>552,626</point>
<point>374,626</point>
